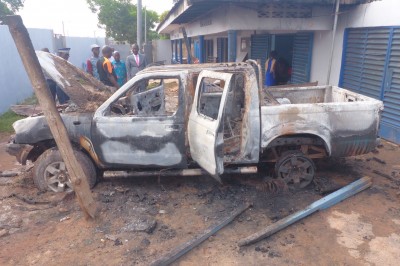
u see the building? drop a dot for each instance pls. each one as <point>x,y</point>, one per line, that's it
<point>365,42</point>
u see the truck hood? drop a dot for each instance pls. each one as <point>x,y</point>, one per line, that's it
<point>32,130</point>
<point>84,90</point>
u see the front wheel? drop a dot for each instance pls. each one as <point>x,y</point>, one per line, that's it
<point>50,173</point>
<point>295,168</point>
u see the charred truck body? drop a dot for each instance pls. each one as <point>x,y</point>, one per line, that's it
<point>216,116</point>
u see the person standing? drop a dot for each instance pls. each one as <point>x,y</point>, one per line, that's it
<point>135,62</point>
<point>61,95</point>
<point>270,67</point>
<point>105,68</point>
<point>91,63</point>
<point>119,68</point>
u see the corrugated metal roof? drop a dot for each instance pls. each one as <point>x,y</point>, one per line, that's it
<point>197,8</point>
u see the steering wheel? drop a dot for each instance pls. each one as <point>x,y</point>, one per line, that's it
<point>118,108</point>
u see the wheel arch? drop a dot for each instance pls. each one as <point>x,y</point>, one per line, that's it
<point>299,139</point>
<point>40,147</point>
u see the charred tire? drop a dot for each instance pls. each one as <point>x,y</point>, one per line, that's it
<point>50,173</point>
<point>295,168</point>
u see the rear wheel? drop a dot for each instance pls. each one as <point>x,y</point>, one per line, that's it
<point>295,168</point>
<point>50,173</point>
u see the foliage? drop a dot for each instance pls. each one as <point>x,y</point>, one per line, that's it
<point>8,7</point>
<point>6,121</point>
<point>9,117</point>
<point>118,18</point>
<point>164,15</point>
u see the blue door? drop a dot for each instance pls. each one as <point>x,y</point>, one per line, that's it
<point>301,61</point>
<point>371,66</point>
<point>260,44</point>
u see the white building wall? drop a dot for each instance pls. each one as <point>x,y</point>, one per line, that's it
<point>80,49</point>
<point>243,34</point>
<point>162,51</point>
<point>375,14</point>
<point>14,82</point>
<point>245,19</point>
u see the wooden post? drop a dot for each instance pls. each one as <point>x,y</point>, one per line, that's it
<point>56,125</point>
<point>188,46</point>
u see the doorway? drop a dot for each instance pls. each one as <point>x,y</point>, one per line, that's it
<point>293,49</point>
<point>283,44</point>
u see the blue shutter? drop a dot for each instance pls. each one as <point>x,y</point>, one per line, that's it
<point>259,49</point>
<point>302,52</point>
<point>219,49</point>
<point>390,125</point>
<point>196,49</point>
<point>364,60</point>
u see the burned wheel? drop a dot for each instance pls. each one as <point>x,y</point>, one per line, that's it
<point>296,169</point>
<point>50,173</point>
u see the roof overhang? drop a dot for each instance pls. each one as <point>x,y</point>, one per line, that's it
<point>185,11</point>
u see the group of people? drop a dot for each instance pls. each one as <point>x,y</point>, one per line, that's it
<point>110,69</point>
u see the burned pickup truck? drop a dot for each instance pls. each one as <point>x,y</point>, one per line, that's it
<point>216,117</point>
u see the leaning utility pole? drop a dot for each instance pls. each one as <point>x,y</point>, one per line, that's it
<point>56,124</point>
<point>328,78</point>
<point>139,23</point>
<point>145,25</point>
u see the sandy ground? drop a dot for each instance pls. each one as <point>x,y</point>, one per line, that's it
<point>49,229</point>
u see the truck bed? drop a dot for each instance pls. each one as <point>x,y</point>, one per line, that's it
<point>314,94</point>
<point>346,121</point>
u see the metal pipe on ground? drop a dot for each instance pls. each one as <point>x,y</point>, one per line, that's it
<point>322,204</point>
<point>182,249</point>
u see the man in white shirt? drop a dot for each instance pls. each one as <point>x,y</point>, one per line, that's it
<point>135,62</point>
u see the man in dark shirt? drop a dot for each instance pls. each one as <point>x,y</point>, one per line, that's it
<point>105,69</point>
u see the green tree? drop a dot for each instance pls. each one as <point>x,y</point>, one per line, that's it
<point>118,18</point>
<point>163,16</point>
<point>8,7</point>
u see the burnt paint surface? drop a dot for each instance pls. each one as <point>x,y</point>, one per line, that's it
<point>134,141</point>
<point>346,121</point>
<point>32,130</point>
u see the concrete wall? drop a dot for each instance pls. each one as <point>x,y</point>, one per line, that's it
<point>162,51</point>
<point>375,14</point>
<point>80,48</point>
<point>123,49</point>
<point>14,82</point>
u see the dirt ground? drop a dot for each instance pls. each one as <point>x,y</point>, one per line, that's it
<point>49,229</point>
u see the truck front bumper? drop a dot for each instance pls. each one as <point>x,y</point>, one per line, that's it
<point>20,151</point>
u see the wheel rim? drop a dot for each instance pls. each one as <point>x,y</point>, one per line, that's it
<point>297,171</point>
<point>57,177</point>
